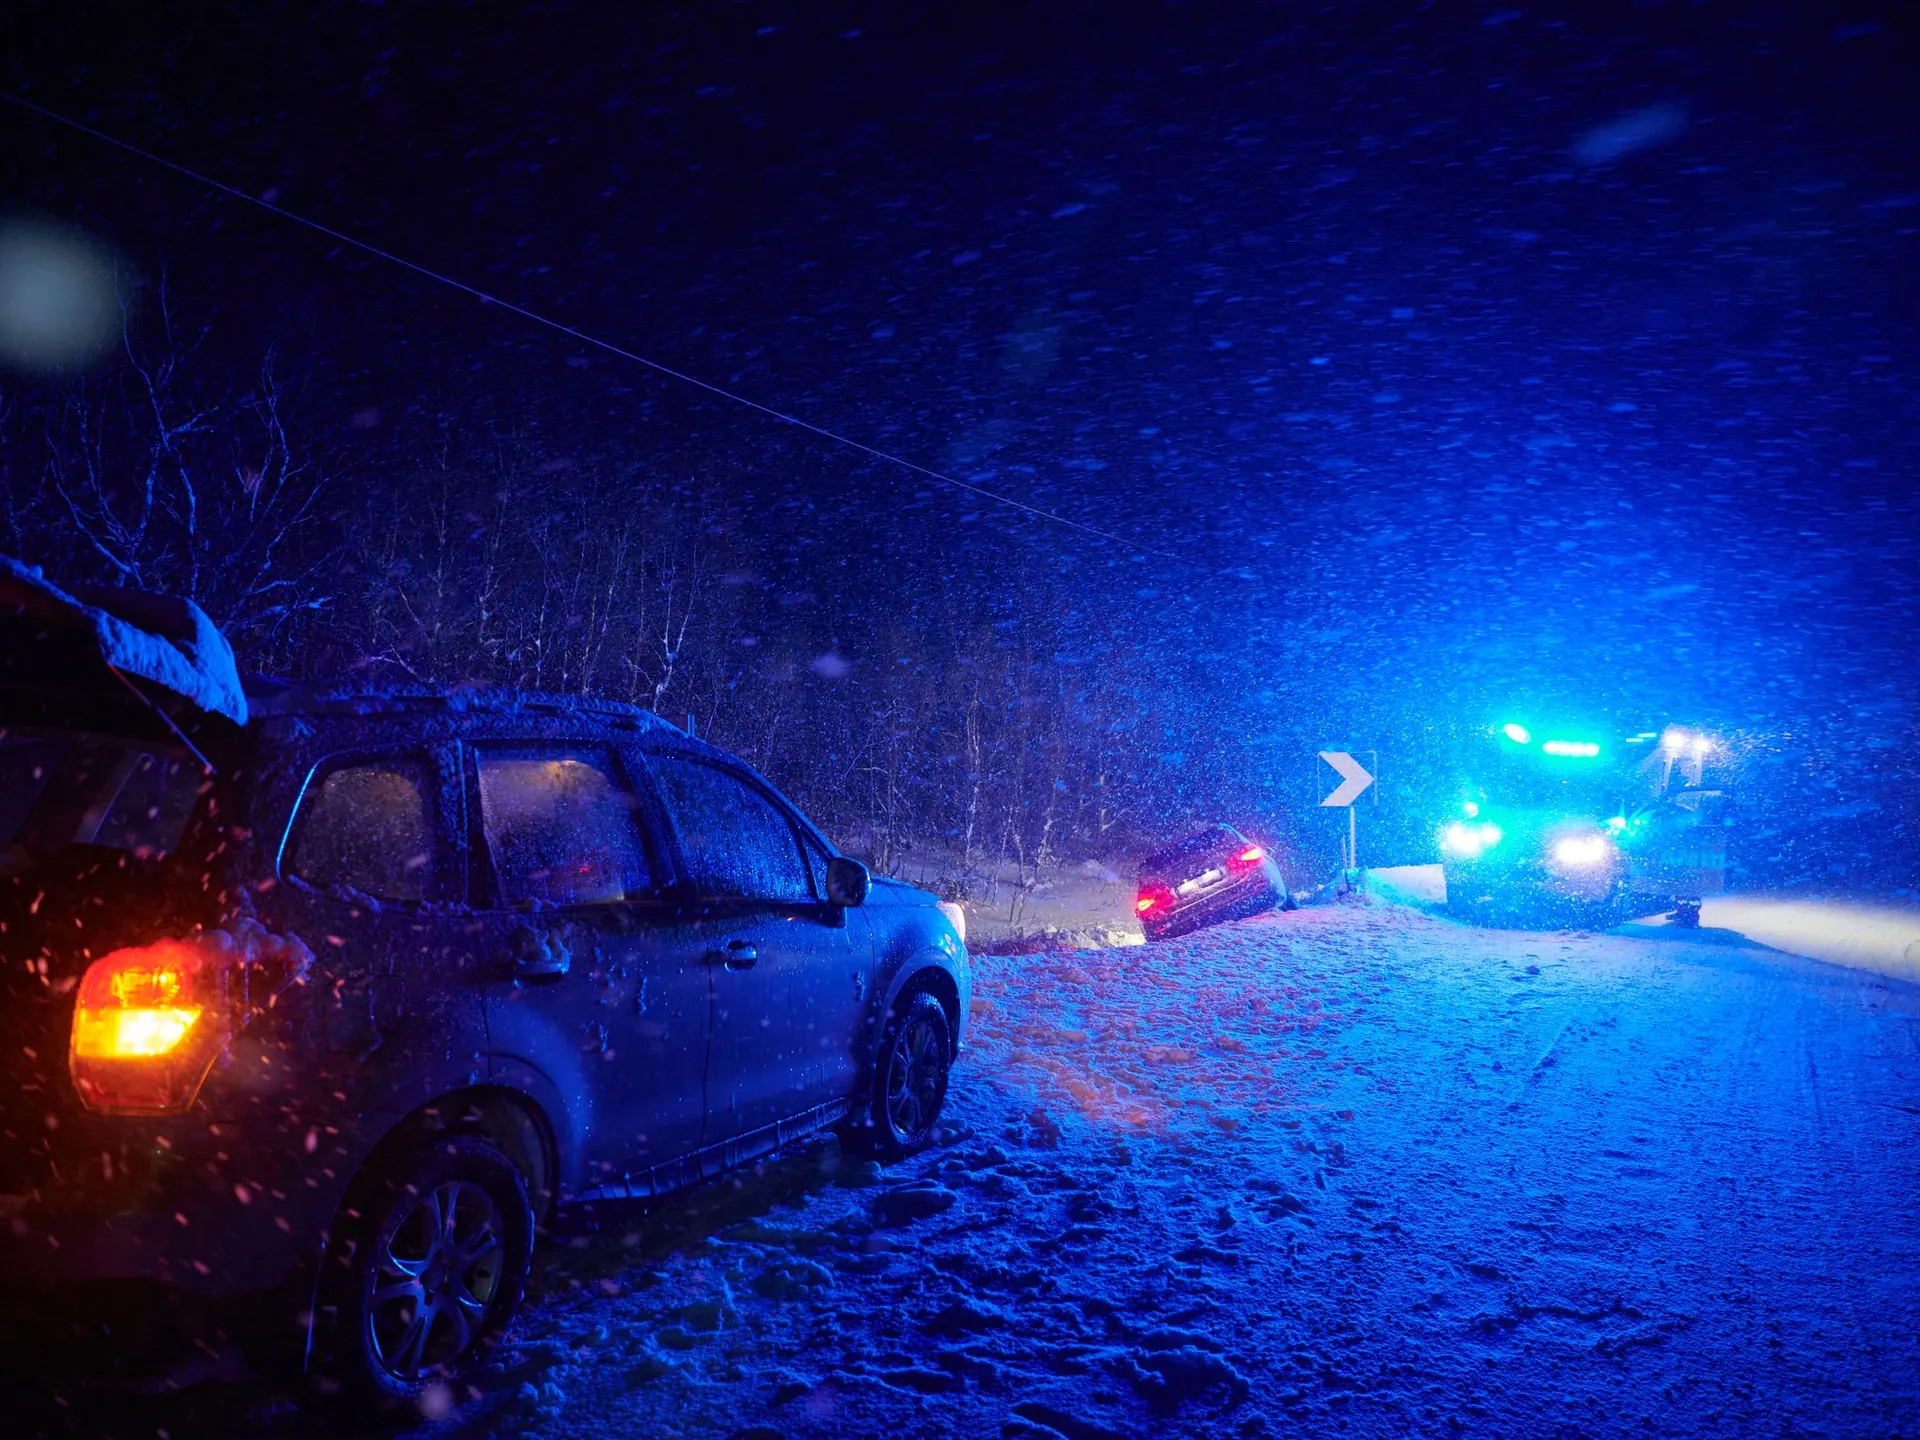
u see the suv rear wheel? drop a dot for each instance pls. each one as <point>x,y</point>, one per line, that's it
<point>430,1272</point>
<point>909,1081</point>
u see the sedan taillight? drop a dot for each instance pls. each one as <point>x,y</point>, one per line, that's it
<point>1154,900</point>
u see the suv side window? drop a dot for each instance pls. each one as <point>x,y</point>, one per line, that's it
<point>369,826</point>
<point>561,827</point>
<point>737,842</point>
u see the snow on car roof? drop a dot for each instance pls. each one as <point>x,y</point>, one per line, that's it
<point>281,697</point>
<point>158,638</point>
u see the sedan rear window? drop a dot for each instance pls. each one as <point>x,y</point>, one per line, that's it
<point>561,828</point>
<point>1184,857</point>
<point>369,829</point>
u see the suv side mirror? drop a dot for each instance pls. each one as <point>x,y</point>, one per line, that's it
<point>847,881</point>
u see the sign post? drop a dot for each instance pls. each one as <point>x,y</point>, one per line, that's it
<point>1354,779</point>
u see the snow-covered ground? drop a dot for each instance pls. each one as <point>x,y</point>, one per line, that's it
<point>1841,931</point>
<point>1353,1169</point>
<point>1356,1169</point>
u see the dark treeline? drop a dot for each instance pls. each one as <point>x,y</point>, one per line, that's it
<point>946,691</point>
<point>964,729</point>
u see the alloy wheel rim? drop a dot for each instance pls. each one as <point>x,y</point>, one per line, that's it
<point>914,1078</point>
<point>436,1275</point>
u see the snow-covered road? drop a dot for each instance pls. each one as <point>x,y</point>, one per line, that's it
<point>1351,1169</point>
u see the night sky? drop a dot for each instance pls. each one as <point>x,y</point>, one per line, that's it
<point>1426,360</point>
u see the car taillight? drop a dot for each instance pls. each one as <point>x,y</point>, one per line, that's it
<point>149,1020</point>
<point>1153,897</point>
<point>1252,855</point>
<point>147,1023</point>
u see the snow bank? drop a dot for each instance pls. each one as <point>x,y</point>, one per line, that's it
<point>1840,932</point>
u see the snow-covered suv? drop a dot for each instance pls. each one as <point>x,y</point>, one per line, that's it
<point>337,995</point>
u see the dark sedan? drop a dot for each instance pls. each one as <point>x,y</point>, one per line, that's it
<point>1218,874</point>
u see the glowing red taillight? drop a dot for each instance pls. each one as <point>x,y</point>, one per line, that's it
<point>1252,855</point>
<point>149,1020</point>
<point>1153,897</point>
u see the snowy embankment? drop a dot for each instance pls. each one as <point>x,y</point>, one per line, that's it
<point>1091,905</point>
<point>1841,932</point>
<point>1349,1169</point>
<point>1847,932</point>
<point>1053,907</point>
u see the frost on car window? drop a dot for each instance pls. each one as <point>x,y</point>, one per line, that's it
<point>369,828</point>
<point>736,842</point>
<point>150,812</point>
<point>562,830</point>
<point>816,860</point>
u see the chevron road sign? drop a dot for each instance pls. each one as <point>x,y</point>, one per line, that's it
<point>1353,777</point>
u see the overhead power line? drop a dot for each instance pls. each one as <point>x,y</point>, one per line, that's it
<point>561,327</point>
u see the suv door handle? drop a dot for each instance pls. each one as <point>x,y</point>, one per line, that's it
<point>740,955</point>
<point>536,958</point>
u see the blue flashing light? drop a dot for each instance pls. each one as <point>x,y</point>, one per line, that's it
<point>1471,808</point>
<point>1582,749</point>
<point>1518,734</point>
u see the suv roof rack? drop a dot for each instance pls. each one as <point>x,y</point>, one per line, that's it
<point>270,696</point>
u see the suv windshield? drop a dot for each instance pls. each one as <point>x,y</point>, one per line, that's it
<point>1540,782</point>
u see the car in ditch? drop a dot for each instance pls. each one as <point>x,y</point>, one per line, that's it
<point>1213,875</point>
<point>334,996</point>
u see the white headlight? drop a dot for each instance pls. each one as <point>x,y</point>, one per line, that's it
<point>956,917</point>
<point>1581,850</point>
<point>1468,841</point>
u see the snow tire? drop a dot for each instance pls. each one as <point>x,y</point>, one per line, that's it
<point>909,1085</point>
<point>424,1272</point>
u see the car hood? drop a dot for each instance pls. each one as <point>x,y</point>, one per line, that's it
<point>885,890</point>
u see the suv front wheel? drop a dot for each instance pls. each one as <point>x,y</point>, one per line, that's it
<point>909,1081</point>
<point>429,1272</point>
